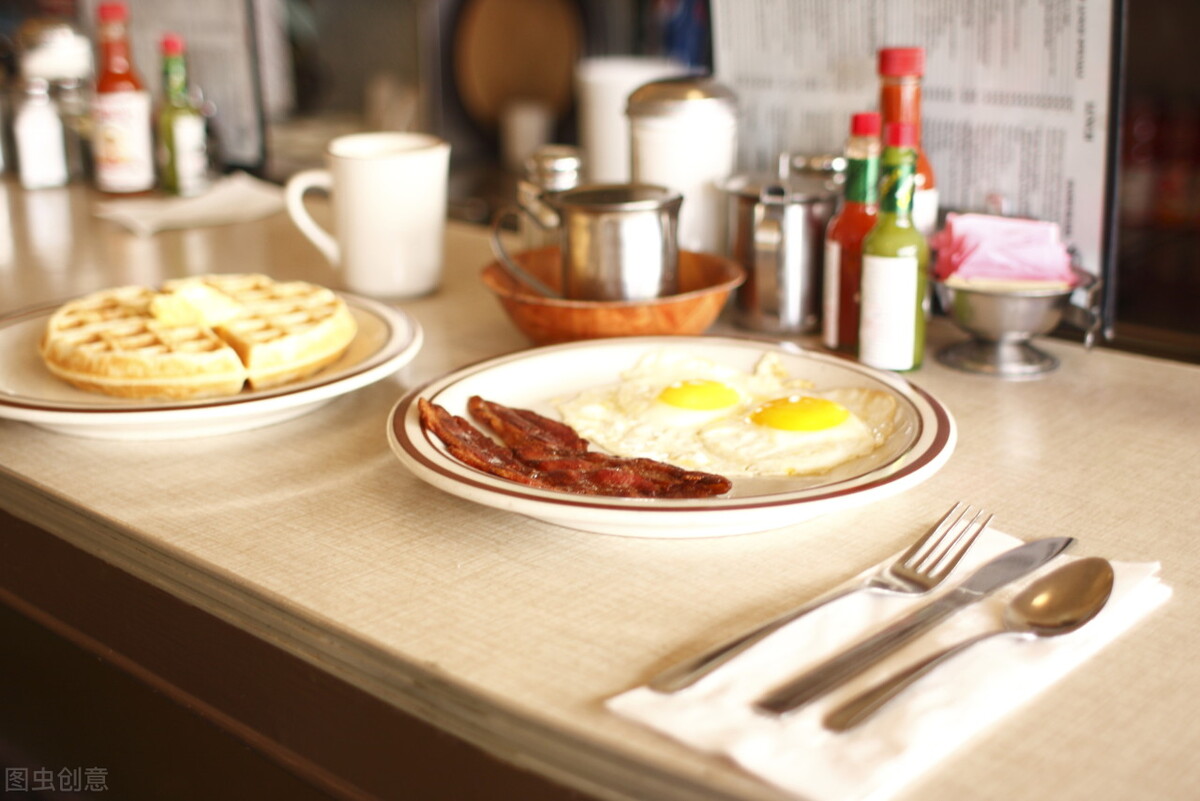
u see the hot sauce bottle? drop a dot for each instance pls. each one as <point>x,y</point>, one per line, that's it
<point>122,144</point>
<point>895,260</point>
<point>901,70</point>
<point>182,138</point>
<point>844,236</point>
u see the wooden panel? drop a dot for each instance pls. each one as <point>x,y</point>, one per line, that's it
<point>182,705</point>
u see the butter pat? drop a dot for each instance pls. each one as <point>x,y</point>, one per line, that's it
<point>194,304</point>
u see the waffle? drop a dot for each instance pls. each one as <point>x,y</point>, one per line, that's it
<point>136,342</point>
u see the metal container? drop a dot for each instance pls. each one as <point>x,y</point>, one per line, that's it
<point>1002,323</point>
<point>619,242</point>
<point>551,169</point>
<point>777,227</point>
<point>683,134</point>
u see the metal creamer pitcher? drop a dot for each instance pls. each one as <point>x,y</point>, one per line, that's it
<point>619,242</point>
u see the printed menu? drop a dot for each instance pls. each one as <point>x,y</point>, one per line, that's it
<point>1017,97</point>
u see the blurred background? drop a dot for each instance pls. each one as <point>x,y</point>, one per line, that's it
<point>279,78</point>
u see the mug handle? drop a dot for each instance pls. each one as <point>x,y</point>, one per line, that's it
<point>297,185</point>
<point>514,270</point>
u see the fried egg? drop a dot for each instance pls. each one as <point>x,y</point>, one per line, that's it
<point>701,415</point>
<point>801,434</point>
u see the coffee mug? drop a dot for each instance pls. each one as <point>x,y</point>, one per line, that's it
<point>388,193</point>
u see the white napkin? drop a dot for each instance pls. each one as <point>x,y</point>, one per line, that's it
<point>924,724</point>
<point>235,198</point>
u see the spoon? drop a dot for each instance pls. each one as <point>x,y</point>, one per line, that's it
<point>1054,604</point>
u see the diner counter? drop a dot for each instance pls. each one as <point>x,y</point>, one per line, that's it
<point>509,633</point>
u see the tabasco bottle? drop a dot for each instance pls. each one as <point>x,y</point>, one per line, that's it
<point>895,260</point>
<point>182,138</point>
<point>844,236</point>
<point>901,70</point>
<point>122,143</point>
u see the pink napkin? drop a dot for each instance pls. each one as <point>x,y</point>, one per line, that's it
<point>983,246</point>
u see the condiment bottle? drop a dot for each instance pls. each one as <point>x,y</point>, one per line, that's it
<point>901,70</point>
<point>122,143</point>
<point>38,135</point>
<point>849,226</point>
<point>182,137</point>
<point>895,259</point>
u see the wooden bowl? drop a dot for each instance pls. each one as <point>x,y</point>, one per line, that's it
<point>705,282</point>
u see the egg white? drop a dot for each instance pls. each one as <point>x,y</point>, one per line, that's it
<point>629,419</point>
<point>739,445</point>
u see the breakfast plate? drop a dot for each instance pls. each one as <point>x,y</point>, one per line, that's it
<point>920,444</point>
<point>387,339</point>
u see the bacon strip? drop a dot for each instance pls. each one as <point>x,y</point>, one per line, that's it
<point>541,452</point>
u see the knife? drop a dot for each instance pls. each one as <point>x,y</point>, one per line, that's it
<point>994,574</point>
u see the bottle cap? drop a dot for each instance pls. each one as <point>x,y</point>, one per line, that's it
<point>172,44</point>
<point>901,134</point>
<point>898,61</point>
<point>112,12</point>
<point>867,123</point>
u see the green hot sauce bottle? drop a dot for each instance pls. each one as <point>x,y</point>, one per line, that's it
<point>182,139</point>
<point>895,262</point>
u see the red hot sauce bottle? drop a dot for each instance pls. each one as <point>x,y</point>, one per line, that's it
<point>846,231</point>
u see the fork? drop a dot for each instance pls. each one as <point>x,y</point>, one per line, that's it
<point>918,570</point>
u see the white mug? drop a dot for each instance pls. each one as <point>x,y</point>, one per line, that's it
<point>388,192</point>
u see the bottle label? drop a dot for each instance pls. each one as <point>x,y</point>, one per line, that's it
<point>122,145</point>
<point>925,211</point>
<point>831,294</point>
<point>41,152</point>
<point>888,327</point>
<point>897,180</point>
<point>191,154</point>
<point>862,180</point>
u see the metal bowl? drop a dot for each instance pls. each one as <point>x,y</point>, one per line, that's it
<point>1002,323</point>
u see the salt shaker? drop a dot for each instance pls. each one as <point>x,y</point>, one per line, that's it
<point>551,169</point>
<point>39,137</point>
<point>683,135</point>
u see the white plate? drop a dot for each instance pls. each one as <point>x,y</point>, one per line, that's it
<point>387,339</point>
<point>922,442</point>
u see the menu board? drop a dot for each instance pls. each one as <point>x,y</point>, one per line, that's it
<point>1018,101</point>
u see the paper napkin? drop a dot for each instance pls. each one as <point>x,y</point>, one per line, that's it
<point>235,198</point>
<point>924,725</point>
<point>983,246</point>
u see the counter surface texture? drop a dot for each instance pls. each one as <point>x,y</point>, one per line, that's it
<point>510,633</point>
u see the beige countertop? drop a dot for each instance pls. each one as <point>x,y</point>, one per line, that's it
<point>511,633</point>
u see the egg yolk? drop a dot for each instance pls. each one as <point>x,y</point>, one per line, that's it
<point>699,394</point>
<point>800,413</point>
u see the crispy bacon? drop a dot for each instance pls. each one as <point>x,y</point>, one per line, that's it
<point>541,452</point>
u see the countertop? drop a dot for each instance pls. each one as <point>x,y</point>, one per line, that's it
<point>510,633</point>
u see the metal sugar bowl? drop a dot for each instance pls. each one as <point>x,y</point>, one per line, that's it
<point>1002,323</point>
<point>777,227</point>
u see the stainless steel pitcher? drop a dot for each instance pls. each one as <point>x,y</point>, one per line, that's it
<point>619,242</point>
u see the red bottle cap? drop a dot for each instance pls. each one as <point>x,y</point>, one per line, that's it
<point>112,12</point>
<point>897,61</point>
<point>867,123</point>
<point>172,44</point>
<point>901,134</point>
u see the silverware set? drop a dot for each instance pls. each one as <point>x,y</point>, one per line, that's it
<point>1056,603</point>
